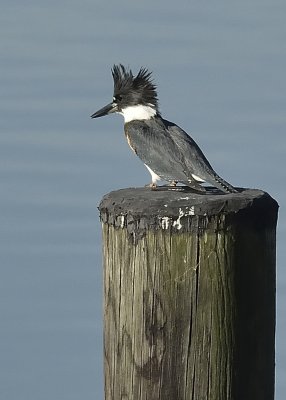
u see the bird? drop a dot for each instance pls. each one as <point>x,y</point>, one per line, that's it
<point>168,152</point>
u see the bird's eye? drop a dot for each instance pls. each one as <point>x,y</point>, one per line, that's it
<point>117,98</point>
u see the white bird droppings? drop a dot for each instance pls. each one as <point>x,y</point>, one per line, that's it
<point>166,222</point>
<point>121,221</point>
<point>177,223</point>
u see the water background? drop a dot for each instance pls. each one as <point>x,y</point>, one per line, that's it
<point>220,70</point>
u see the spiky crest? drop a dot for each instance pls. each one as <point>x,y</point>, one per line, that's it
<point>134,90</point>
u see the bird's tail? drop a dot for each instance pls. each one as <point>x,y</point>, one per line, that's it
<point>221,184</point>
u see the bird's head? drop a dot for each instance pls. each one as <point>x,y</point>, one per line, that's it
<point>134,97</point>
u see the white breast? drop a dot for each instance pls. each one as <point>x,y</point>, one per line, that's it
<point>154,176</point>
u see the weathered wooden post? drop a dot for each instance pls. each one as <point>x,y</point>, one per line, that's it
<point>189,295</point>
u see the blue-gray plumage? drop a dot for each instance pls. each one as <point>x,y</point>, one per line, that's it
<point>168,152</point>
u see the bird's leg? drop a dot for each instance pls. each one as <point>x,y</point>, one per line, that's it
<point>173,183</point>
<point>151,185</point>
<point>155,178</point>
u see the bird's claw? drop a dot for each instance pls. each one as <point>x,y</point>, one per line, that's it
<point>173,183</point>
<point>152,185</point>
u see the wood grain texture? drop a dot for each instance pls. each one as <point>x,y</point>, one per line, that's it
<point>189,309</point>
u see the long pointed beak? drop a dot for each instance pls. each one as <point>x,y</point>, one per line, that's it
<point>108,109</point>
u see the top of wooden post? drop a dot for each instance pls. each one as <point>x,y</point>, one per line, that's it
<point>139,209</point>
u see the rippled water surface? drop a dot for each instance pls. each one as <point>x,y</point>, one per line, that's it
<point>220,70</point>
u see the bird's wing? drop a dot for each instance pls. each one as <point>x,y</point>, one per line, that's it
<point>196,162</point>
<point>155,147</point>
<point>194,157</point>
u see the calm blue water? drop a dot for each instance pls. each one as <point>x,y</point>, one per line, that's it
<point>220,70</point>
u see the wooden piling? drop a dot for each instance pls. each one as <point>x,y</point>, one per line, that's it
<point>189,295</point>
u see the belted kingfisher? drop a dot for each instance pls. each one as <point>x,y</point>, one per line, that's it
<point>167,151</point>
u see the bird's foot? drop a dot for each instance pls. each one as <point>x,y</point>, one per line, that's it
<point>173,183</point>
<point>152,185</point>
